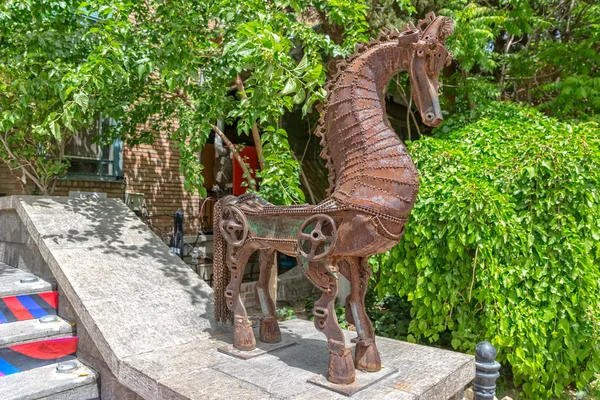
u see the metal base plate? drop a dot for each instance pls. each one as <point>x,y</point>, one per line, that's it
<point>261,348</point>
<point>363,380</point>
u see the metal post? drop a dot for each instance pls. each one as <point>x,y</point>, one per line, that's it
<point>178,238</point>
<point>486,371</point>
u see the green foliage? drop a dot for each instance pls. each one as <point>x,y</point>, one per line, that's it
<point>279,178</point>
<point>189,55</point>
<point>285,313</point>
<point>504,244</point>
<point>309,304</point>
<point>340,313</point>
<point>390,315</point>
<point>50,86</point>
<point>544,53</point>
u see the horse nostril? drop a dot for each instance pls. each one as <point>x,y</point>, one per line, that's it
<point>429,116</point>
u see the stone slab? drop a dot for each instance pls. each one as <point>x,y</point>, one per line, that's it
<point>375,392</point>
<point>363,381</point>
<point>208,384</point>
<point>10,282</point>
<point>428,373</point>
<point>423,372</point>
<point>33,330</point>
<point>261,348</point>
<point>138,371</point>
<point>46,383</point>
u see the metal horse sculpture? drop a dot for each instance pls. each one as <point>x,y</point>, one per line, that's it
<point>374,186</point>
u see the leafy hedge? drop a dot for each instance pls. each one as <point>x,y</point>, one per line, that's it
<point>504,244</point>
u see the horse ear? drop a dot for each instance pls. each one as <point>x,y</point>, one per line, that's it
<point>440,28</point>
<point>425,22</point>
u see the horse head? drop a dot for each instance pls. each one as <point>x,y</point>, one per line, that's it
<point>429,55</point>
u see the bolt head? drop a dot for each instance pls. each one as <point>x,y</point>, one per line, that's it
<point>67,366</point>
<point>48,318</point>
<point>29,279</point>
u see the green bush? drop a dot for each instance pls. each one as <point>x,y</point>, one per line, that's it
<point>504,244</point>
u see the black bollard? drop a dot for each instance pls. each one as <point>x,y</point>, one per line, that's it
<point>486,371</point>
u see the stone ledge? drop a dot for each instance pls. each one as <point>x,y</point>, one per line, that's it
<point>33,330</point>
<point>45,382</point>
<point>128,291</point>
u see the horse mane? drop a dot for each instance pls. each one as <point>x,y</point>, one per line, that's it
<point>337,71</point>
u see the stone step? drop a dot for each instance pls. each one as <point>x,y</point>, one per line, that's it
<point>27,356</point>
<point>15,282</point>
<point>48,384</point>
<point>34,330</point>
<point>27,306</point>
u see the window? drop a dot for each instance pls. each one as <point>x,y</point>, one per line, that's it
<point>92,160</point>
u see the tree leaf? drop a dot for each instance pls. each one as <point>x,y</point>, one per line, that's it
<point>82,100</point>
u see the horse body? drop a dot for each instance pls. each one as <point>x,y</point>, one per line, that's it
<point>374,185</point>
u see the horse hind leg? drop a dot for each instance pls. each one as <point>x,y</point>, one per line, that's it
<point>366,357</point>
<point>341,369</point>
<point>243,336</point>
<point>269,328</point>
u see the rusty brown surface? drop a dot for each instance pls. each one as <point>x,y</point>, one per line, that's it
<point>374,185</point>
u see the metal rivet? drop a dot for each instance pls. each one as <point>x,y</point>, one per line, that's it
<point>49,318</point>
<point>29,279</point>
<point>66,366</point>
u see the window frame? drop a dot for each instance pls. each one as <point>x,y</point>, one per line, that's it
<point>116,162</point>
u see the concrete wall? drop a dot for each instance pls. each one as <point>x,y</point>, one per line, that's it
<point>132,299</point>
<point>18,249</point>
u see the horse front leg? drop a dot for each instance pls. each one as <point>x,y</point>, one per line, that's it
<point>341,369</point>
<point>269,328</point>
<point>243,336</point>
<point>366,356</point>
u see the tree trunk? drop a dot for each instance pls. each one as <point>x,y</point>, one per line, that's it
<point>255,135</point>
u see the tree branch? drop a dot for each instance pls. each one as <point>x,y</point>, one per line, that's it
<point>255,135</point>
<point>23,166</point>
<point>240,160</point>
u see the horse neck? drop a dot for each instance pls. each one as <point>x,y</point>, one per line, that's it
<point>355,116</point>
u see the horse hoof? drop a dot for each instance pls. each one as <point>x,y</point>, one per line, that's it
<point>269,330</point>
<point>341,368</point>
<point>243,337</point>
<point>366,357</point>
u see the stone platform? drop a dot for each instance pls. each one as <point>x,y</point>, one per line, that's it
<point>423,373</point>
<point>145,319</point>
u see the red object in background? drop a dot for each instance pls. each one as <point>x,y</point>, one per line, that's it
<point>251,157</point>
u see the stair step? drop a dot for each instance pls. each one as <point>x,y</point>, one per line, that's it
<point>27,356</point>
<point>48,384</point>
<point>11,285</point>
<point>34,330</point>
<point>27,306</point>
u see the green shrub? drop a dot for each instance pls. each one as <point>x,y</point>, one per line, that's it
<point>504,244</point>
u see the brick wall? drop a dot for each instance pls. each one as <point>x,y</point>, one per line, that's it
<point>113,189</point>
<point>9,183</point>
<point>154,171</point>
<point>149,169</point>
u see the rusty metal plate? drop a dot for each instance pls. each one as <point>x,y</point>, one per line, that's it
<point>363,381</point>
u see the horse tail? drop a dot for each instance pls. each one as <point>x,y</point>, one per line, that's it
<point>221,274</point>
